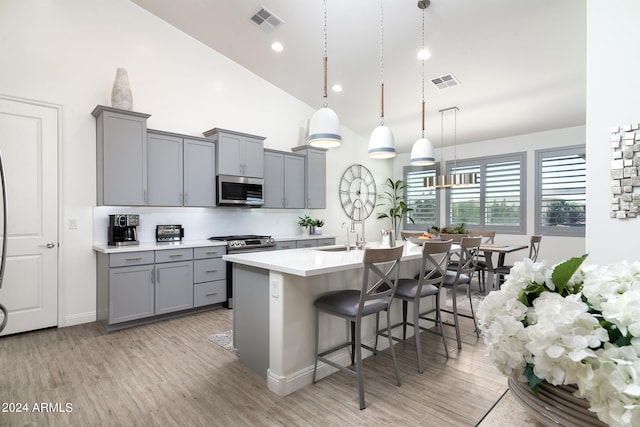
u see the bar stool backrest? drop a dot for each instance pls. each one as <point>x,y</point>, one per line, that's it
<point>386,277</point>
<point>534,247</point>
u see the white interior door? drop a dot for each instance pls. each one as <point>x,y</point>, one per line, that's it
<point>29,144</point>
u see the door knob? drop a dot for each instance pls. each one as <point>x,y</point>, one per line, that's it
<point>51,245</point>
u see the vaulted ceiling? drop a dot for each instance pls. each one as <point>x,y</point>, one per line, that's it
<point>521,64</point>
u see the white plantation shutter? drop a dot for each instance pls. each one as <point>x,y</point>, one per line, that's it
<point>497,202</point>
<point>561,192</point>
<point>422,200</point>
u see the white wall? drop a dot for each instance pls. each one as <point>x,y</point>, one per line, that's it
<point>613,67</point>
<point>67,52</point>
<point>552,248</point>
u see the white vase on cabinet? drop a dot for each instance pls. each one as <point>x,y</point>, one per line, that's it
<point>121,92</point>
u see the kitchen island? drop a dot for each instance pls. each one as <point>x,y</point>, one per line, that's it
<point>273,309</point>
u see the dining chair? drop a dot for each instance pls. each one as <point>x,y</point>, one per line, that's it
<point>455,237</point>
<point>488,238</point>
<point>353,305</point>
<point>534,249</point>
<point>435,256</point>
<point>467,261</point>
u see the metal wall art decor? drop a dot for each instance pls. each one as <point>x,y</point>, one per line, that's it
<point>625,163</point>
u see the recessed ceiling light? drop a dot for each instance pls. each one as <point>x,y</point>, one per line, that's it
<point>424,54</point>
<point>337,87</point>
<point>277,46</point>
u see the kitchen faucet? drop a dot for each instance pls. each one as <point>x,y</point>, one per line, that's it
<point>348,231</point>
<point>360,241</point>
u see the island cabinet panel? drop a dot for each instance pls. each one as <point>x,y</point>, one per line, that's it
<point>283,180</point>
<point>121,163</point>
<point>164,170</point>
<point>238,154</point>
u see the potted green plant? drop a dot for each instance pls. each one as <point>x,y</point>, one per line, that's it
<point>394,206</point>
<point>318,224</point>
<point>306,222</point>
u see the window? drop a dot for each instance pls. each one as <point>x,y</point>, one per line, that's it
<point>561,176</point>
<point>423,200</point>
<point>497,202</point>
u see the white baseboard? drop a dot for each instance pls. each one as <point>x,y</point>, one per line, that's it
<point>77,319</point>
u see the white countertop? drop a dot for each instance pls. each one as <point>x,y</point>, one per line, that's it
<point>313,261</point>
<point>155,246</point>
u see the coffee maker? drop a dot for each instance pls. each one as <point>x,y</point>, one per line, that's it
<point>122,229</point>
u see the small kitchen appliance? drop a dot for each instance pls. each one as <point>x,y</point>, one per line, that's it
<point>169,233</point>
<point>123,229</point>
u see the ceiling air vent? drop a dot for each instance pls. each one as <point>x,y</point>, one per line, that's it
<point>443,82</point>
<point>266,20</point>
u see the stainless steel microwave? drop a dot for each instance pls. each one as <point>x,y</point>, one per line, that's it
<point>240,191</point>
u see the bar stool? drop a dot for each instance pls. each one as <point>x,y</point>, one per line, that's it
<point>435,257</point>
<point>353,305</point>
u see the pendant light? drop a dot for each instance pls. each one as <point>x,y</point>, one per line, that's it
<point>324,127</point>
<point>382,145</point>
<point>454,179</point>
<point>422,150</point>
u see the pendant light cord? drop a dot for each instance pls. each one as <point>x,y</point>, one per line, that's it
<point>422,55</point>
<point>325,59</point>
<point>381,62</point>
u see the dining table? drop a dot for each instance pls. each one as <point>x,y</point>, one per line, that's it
<point>501,249</point>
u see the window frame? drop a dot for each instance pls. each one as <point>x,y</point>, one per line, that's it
<point>406,225</point>
<point>542,154</point>
<point>482,162</point>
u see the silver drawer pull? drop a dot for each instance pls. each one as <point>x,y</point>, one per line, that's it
<point>175,255</point>
<point>211,253</point>
<point>211,271</point>
<point>210,294</point>
<point>133,259</point>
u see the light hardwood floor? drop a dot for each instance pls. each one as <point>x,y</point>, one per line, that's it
<point>169,373</point>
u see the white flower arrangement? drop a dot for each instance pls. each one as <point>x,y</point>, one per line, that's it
<point>570,324</point>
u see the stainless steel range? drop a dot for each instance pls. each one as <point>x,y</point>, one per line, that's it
<point>242,244</point>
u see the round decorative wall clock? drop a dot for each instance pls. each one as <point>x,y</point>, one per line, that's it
<point>357,192</point>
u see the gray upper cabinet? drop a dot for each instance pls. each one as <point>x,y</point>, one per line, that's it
<point>199,173</point>
<point>121,138</point>
<point>164,170</point>
<point>181,170</point>
<point>238,154</point>
<point>315,178</point>
<point>283,180</point>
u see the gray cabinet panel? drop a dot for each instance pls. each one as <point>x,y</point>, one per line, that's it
<point>294,181</point>
<point>327,241</point>
<point>121,138</point>
<point>238,153</point>
<point>273,179</point>
<point>130,293</point>
<point>307,243</point>
<point>315,176</point>
<point>199,173</point>
<point>207,270</point>
<point>209,252</point>
<point>164,170</point>
<point>174,286</point>
<point>172,255</point>
<point>209,293</point>
<point>286,244</point>
<point>131,258</point>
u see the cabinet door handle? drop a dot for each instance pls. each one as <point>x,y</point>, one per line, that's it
<point>133,259</point>
<point>210,294</point>
<point>211,271</point>
<point>175,256</point>
<point>211,252</point>
<point>157,275</point>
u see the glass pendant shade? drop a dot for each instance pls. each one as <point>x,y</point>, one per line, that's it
<point>324,129</point>
<point>422,153</point>
<point>382,144</point>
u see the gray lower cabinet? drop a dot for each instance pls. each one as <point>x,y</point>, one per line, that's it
<point>136,286</point>
<point>121,148</point>
<point>284,180</point>
<point>209,276</point>
<point>174,280</point>
<point>305,243</point>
